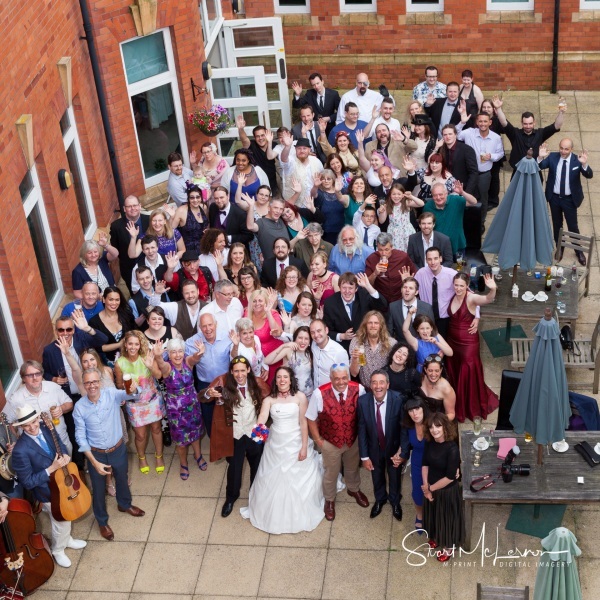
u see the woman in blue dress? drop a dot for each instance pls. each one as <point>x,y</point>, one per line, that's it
<point>428,340</point>
<point>415,413</point>
<point>328,199</point>
<point>252,176</point>
<point>289,286</point>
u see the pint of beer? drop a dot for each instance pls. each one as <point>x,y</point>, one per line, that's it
<point>362,357</point>
<point>128,383</point>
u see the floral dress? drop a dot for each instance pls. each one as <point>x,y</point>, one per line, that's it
<point>183,409</point>
<point>400,228</point>
<point>148,407</point>
<point>302,367</point>
<point>425,188</point>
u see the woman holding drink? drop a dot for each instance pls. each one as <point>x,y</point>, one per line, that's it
<point>370,347</point>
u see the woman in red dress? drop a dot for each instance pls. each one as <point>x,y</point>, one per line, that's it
<point>465,371</point>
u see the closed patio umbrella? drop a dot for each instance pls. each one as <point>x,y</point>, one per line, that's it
<point>557,577</point>
<point>520,232</point>
<point>541,406</point>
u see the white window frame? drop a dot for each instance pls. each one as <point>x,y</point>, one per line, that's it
<point>354,8</point>
<point>589,4</point>
<point>15,381</point>
<point>422,8</point>
<point>34,199</point>
<point>512,6</point>
<point>150,83</point>
<point>71,137</point>
<point>213,33</point>
<point>295,10</point>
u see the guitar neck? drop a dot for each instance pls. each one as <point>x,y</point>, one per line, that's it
<point>48,421</point>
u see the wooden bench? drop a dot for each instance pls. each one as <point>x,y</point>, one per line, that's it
<point>488,592</point>
<point>586,355</point>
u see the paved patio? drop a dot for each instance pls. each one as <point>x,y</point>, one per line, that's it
<point>183,549</point>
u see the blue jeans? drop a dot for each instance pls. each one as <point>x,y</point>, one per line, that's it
<point>118,461</point>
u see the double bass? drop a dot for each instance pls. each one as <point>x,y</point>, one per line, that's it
<point>24,550</point>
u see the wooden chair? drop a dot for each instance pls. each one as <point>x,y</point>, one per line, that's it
<point>489,592</point>
<point>585,355</point>
<point>580,243</point>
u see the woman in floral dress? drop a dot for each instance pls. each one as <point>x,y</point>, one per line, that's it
<point>183,409</point>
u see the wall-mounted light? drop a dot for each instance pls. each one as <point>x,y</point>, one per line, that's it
<point>65,181</point>
<point>206,74</point>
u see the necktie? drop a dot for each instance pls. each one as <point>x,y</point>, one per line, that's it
<point>44,444</point>
<point>312,140</point>
<point>408,307</point>
<point>281,268</point>
<point>380,434</point>
<point>342,401</point>
<point>366,236</point>
<point>321,103</point>
<point>434,299</point>
<point>563,178</point>
<point>349,309</point>
<point>243,391</point>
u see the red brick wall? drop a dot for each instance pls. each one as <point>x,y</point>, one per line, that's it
<point>37,35</point>
<point>464,35</point>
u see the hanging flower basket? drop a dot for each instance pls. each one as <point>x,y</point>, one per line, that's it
<point>211,121</point>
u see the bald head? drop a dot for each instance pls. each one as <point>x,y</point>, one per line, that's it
<point>362,83</point>
<point>565,147</point>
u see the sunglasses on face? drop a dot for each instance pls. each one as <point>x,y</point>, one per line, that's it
<point>65,329</point>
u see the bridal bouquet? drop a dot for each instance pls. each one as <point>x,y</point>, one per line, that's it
<point>260,433</point>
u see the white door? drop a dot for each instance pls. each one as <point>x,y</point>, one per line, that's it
<point>242,92</point>
<point>259,43</point>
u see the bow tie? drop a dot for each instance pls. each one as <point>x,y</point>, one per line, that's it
<point>448,103</point>
<point>222,212</point>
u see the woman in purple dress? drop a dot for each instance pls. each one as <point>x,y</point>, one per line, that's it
<point>181,400</point>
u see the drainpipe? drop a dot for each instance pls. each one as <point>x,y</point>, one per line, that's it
<point>89,37</point>
<point>555,47</point>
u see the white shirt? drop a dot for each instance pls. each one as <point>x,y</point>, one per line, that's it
<point>332,354</point>
<point>382,411</point>
<point>393,124</point>
<point>315,405</point>
<point>285,263</point>
<point>208,260</point>
<point>491,143</point>
<point>226,319</point>
<point>558,174</point>
<point>406,306</point>
<point>72,385</point>
<point>427,244</point>
<point>135,286</point>
<point>365,104</point>
<point>358,224</point>
<point>172,308</point>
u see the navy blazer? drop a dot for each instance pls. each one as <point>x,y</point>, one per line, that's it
<point>575,169</point>
<point>368,442</point>
<point>29,462</point>
<point>297,132</point>
<point>416,251</point>
<point>330,105</point>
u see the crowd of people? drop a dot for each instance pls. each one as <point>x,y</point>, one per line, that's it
<point>308,287</point>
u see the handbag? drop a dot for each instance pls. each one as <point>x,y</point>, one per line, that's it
<point>566,338</point>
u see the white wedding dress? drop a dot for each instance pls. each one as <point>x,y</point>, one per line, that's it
<point>287,494</point>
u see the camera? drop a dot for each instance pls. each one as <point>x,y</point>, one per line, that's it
<point>508,469</point>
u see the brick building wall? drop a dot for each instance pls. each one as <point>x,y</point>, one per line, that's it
<point>503,49</point>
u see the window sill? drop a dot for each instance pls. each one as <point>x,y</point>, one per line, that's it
<point>586,15</point>
<point>297,20</point>
<point>510,16</point>
<point>358,19</point>
<point>425,18</point>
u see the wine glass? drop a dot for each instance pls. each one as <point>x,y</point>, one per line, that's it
<point>384,262</point>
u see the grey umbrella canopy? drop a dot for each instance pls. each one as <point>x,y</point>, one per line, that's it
<point>520,232</point>
<point>541,406</point>
<point>557,577</point>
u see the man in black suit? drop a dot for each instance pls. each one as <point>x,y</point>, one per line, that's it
<point>444,111</point>
<point>324,101</point>
<point>262,150</point>
<point>461,160</point>
<point>343,311</point>
<point>563,188</point>
<point>380,414</point>
<point>387,180</point>
<point>427,237</point>
<point>228,217</point>
<point>309,128</point>
<point>274,266</point>
<point>399,309</point>
<point>120,238</point>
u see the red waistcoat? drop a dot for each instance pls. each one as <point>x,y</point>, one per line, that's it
<point>337,423</point>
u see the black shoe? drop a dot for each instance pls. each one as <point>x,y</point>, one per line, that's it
<point>581,258</point>
<point>377,508</point>
<point>493,204</point>
<point>397,512</point>
<point>227,508</point>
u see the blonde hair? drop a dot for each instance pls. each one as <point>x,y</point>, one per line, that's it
<point>167,229</point>
<point>384,334</point>
<point>86,247</point>
<point>255,294</point>
<point>144,348</point>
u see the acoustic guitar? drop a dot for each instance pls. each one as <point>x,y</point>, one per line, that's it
<point>69,496</point>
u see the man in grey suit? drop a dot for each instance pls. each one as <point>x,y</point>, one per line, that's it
<point>309,128</point>
<point>398,310</point>
<point>419,242</point>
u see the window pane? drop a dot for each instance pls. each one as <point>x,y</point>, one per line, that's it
<point>65,123</point>
<point>26,186</point>
<point>253,37</point>
<point>145,57</point>
<point>84,213</point>
<point>8,363</point>
<point>229,146</point>
<point>268,62</point>
<point>156,126</point>
<point>42,252</point>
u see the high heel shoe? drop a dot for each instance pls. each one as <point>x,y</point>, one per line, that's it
<point>432,544</point>
<point>201,463</point>
<point>443,555</point>
<point>159,469</point>
<point>144,470</point>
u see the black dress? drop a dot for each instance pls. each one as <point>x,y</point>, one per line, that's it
<point>113,338</point>
<point>406,382</point>
<point>444,518</point>
<point>435,405</point>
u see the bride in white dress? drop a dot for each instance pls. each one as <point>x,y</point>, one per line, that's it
<point>287,493</point>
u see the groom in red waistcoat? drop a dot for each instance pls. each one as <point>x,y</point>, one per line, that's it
<point>333,424</point>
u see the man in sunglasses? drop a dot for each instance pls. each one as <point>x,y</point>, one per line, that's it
<point>78,335</point>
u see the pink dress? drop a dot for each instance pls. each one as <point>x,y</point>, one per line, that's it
<point>328,290</point>
<point>268,342</point>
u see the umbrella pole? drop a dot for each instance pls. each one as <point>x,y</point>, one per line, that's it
<point>514,275</point>
<point>540,455</point>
